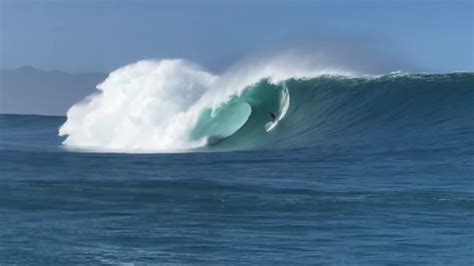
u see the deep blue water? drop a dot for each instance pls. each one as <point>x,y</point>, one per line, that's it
<point>383,175</point>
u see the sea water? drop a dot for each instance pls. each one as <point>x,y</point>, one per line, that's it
<point>359,171</point>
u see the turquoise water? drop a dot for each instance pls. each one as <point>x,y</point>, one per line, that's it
<point>359,171</point>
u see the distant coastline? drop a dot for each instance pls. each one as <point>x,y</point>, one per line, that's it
<point>29,90</point>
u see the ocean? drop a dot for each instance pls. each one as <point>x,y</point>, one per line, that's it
<point>357,171</point>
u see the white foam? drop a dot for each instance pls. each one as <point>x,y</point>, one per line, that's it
<point>154,105</point>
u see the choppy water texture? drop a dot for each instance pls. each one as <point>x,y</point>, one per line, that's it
<point>359,171</point>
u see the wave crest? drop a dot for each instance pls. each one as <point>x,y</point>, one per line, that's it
<point>155,105</point>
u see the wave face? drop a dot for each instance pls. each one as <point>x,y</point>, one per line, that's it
<point>172,105</point>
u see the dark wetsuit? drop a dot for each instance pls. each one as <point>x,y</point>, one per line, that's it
<point>272,114</point>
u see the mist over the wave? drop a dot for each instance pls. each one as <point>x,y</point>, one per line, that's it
<point>362,54</point>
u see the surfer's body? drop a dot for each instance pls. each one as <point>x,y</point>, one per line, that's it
<point>272,114</point>
<point>270,125</point>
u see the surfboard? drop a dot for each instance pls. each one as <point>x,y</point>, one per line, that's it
<point>271,125</point>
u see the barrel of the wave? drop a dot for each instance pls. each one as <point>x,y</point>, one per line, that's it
<point>216,125</point>
<point>242,122</point>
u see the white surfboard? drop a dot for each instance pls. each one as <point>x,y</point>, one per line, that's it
<point>270,125</point>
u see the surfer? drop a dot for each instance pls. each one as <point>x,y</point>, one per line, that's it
<point>272,114</point>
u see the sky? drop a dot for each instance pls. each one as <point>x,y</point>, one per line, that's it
<point>102,35</point>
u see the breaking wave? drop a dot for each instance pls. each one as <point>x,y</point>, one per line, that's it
<point>174,105</point>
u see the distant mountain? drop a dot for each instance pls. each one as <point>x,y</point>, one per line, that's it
<point>27,90</point>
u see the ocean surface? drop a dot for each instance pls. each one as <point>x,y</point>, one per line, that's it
<point>358,171</point>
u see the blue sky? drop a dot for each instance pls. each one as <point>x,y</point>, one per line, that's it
<point>80,36</point>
